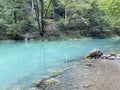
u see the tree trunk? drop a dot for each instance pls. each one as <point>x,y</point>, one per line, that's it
<point>66,17</point>
<point>53,13</point>
<point>37,12</point>
<point>42,18</point>
<point>15,16</point>
<point>47,8</point>
<point>32,4</point>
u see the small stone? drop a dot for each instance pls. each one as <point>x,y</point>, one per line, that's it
<point>40,84</point>
<point>88,64</point>
<point>104,56</point>
<point>44,83</point>
<point>113,54</point>
<point>98,73</point>
<point>112,58</point>
<point>86,86</point>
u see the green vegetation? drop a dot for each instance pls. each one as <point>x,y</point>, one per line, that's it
<point>59,18</point>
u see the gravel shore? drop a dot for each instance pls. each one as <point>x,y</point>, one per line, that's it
<point>88,75</point>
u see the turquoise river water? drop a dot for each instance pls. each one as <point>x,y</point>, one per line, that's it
<point>21,62</point>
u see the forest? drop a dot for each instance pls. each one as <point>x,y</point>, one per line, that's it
<point>59,19</point>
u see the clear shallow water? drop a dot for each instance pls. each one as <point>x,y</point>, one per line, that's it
<point>22,61</point>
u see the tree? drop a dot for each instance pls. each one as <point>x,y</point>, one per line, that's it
<point>41,15</point>
<point>15,16</point>
<point>37,12</point>
<point>42,18</point>
<point>112,11</point>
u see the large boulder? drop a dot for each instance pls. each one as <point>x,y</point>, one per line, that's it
<point>95,53</point>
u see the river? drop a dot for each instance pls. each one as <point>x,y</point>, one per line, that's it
<point>22,62</point>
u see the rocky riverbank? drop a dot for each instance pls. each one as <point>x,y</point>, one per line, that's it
<point>90,73</point>
<point>95,75</point>
<point>98,54</point>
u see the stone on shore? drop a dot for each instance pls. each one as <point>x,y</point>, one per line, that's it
<point>98,54</point>
<point>95,53</point>
<point>112,58</point>
<point>88,64</point>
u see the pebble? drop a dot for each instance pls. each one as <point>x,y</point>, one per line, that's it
<point>86,86</point>
<point>88,64</point>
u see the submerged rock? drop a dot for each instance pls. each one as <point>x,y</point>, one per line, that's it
<point>95,54</point>
<point>45,83</point>
<point>40,84</point>
<point>51,81</point>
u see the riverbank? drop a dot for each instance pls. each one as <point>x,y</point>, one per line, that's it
<point>88,75</point>
<point>58,39</point>
<point>51,38</point>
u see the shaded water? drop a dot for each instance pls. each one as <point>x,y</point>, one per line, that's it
<point>22,61</point>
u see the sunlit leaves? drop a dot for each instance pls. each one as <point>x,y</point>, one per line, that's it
<point>112,10</point>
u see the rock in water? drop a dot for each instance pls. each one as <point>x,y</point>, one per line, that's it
<point>95,53</point>
<point>43,83</point>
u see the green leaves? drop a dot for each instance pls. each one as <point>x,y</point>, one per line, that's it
<point>93,16</point>
<point>112,10</point>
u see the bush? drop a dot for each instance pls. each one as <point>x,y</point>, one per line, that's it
<point>61,24</point>
<point>17,37</point>
<point>3,28</point>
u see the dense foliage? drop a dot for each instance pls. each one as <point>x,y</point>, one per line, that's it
<point>59,18</point>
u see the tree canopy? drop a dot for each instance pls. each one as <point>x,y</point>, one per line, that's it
<point>94,18</point>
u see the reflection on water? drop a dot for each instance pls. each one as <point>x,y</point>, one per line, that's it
<point>21,61</point>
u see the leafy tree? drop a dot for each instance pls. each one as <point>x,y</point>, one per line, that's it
<point>88,17</point>
<point>112,11</point>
